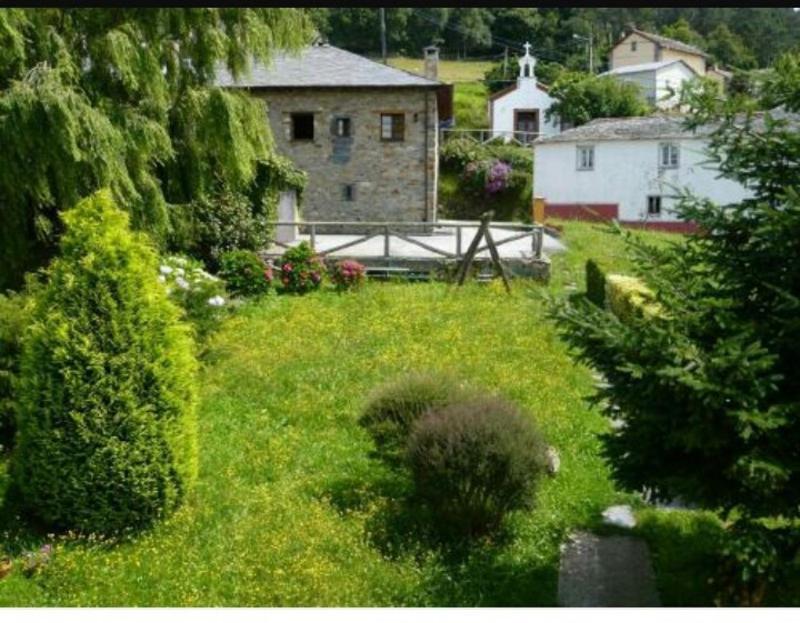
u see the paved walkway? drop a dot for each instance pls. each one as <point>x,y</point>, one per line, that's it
<point>607,571</point>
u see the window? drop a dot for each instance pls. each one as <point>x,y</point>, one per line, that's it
<point>302,126</point>
<point>654,205</point>
<point>341,127</point>
<point>633,46</point>
<point>393,126</point>
<point>349,192</point>
<point>585,158</point>
<point>668,156</point>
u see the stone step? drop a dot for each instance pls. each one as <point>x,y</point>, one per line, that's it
<point>607,571</point>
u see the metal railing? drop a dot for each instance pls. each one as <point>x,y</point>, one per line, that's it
<point>484,136</point>
<point>389,229</point>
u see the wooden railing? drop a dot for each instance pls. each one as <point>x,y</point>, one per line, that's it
<point>484,136</point>
<point>389,229</point>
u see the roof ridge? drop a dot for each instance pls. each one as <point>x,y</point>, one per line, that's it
<point>392,67</point>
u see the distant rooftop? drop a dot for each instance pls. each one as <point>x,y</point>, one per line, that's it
<point>643,67</point>
<point>652,127</point>
<point>666,42</point>
<point>322,66</point>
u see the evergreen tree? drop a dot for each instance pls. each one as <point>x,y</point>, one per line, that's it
<point>105,402</point>
<point>122,98</point>
<point>706,391</point>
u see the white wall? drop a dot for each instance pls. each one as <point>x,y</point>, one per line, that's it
<point>527,96</point>
<point>655,84</point>
<point>625,173</point>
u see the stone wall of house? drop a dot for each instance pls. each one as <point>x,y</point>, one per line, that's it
<point>393,181</point>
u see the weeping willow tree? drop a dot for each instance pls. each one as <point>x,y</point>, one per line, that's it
<point>123,98</point>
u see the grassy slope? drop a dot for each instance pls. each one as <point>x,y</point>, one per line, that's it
<point>290,509</point>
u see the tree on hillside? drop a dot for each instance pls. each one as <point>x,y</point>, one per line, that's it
<point>582,97</point>
<point>727,48</point>
<point>681,30</point>
<point>122,98</point>
<point>706,390</point>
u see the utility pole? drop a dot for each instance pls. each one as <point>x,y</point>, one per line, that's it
<point>590,41</point>
<point>383,35</point>
<point>505,62</point>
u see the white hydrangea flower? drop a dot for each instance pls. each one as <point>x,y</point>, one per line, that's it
<point>182,283</point>
<point>165,270</point>
<point>216,301</point>
<point>180,271</point>
<point>162,278</point>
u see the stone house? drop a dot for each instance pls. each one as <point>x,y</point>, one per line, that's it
<point>366,133</point>
<point>518,111</point>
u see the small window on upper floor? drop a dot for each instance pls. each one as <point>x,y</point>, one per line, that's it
<point>393,126</point>
<point>302,126</point>
<point>654,205</point>
<point>668,156</point>
<point>342,127</point>
<point>585,157</point>
<point>633,46</point>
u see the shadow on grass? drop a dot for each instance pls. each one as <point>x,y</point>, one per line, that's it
<point>458,571</point>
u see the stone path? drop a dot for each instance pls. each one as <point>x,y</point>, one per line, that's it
<point>607,571</point>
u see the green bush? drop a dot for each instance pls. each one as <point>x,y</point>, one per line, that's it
<point>301,269</point>
<point>13,318</point>
<point>106,392</point>
<point>473,461</point>
<point>628,298</point>
<point>201,295</point>
<point>595,283</point>
<point>245,273</point>
<point>222,222</point>
<point>393,408</point>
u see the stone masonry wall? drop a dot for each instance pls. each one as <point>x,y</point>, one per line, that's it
<point>394,181</point>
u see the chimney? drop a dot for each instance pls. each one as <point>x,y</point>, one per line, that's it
<point>432,62</point>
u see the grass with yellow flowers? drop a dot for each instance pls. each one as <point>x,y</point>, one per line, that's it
<point>290,509</point>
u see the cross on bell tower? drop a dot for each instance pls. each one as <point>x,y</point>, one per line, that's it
<point>527,64</point>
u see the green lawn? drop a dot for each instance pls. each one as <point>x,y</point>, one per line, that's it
<point>291,510</point>
<point>449,71</point>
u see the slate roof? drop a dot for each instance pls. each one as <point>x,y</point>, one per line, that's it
<point>652,127</point>
<point>322,66</point>
<point>666,42</point>
<point>643,67</point>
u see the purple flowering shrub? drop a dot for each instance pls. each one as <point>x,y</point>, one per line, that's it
<point>488,177</point>
<point>301,269</point>
<point>348,274</point>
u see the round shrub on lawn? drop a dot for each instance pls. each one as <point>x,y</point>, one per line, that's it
<point>106,394</point>
<point>394,407</point>
<point>473,461</point>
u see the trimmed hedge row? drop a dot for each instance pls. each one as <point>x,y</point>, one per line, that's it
<point>625,296</point>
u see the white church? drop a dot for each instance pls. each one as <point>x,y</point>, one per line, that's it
<point>518,111</point>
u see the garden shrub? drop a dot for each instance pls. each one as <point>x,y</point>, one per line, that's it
<point>13,318</point>
<point>628,297</point>
<point>301,269</point>
<point>220,222</point>
<point>394,407</point>
<point>106,393</point>
<point>348,274</point>
<point>245,273</point>
<point>475,460</point>
<point>595,283</point>
<point>201,295</point>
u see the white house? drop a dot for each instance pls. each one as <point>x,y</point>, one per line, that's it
<point>519,110</point>
<point>628,169</point>
<point>660,82</point>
